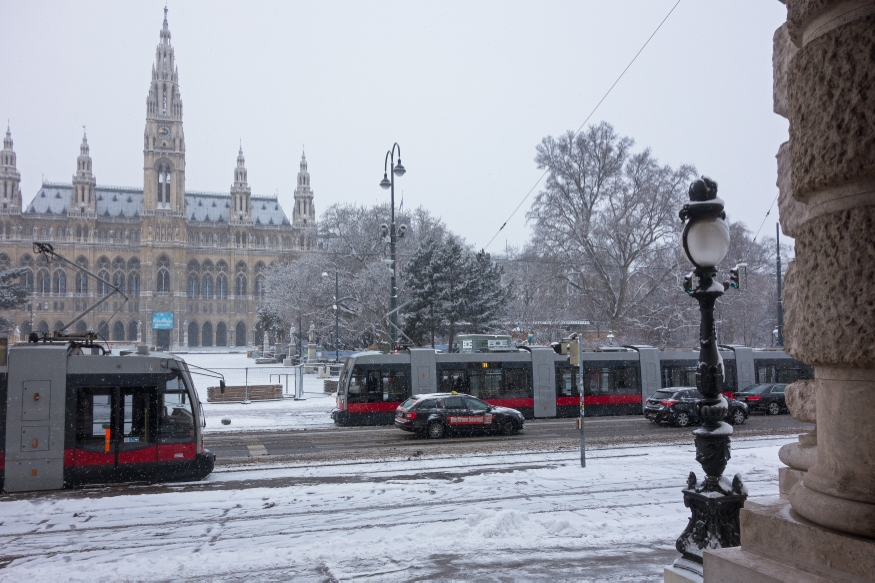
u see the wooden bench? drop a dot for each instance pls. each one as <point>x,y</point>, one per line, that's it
<point>236,394</point>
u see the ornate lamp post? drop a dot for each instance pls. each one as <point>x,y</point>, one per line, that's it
<point>397,170</point>
<point>714,501</point>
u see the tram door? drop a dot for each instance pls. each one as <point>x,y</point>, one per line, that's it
<point>116,437</point>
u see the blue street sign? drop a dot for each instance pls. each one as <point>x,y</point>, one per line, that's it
<point>162,320</point>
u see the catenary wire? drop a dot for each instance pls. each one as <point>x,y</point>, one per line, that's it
<point>605,96</point>
<point>766,217</point>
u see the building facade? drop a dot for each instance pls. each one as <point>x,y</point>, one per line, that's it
<point>191,263</point>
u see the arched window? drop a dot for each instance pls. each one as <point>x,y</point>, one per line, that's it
<point>221,334</point>
<point>103,331</point>
<point>221,286</point>
<point>193,334</point>
<point>193,286</point>
<point>26,280</point>
<point>132,331</point>
<point>163,274</point>
<point>207,287</point>
<point>118,331</point>
<point>81,326</point>
<point>134,283</point>
<point>207,335</point>
<point>259,287</point>
<point>43,282</point>
<point>43,327</point>
<point>102,288</point>
<point>81,283</point>
<point>240,287</point>
<point>57,325</point>
<point>59,282</point>
<point>240,334</point>
<point>118,280</point>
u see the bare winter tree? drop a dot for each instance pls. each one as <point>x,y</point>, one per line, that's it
<point>351,244</point>
<point>608,216</point>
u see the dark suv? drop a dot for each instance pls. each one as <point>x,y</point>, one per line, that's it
<point>677,406</point>
<point>437,414</point>
<point>767,397</point>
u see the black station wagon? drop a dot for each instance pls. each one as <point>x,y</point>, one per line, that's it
<point>438,414</point>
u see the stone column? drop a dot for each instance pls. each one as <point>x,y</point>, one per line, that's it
<point>824,84</point>
<point>829,295</point>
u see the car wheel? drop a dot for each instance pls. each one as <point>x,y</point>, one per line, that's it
<point>436,430</point>
<point>738,417</point>
<point>682,419</point>
<point>774,408</point>
<point>507,427</point>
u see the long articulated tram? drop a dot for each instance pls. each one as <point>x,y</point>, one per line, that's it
<point>540,382</point>
<point>71,416</point>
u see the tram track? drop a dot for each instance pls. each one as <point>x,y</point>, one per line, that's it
<point>570,504</point>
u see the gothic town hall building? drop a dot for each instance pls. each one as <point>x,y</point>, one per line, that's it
<point>191,263</point>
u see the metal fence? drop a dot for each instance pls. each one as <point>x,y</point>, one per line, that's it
<point>296,381</point>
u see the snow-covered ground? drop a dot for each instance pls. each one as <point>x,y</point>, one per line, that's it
<point>507,516</point>
<point>314,411</point>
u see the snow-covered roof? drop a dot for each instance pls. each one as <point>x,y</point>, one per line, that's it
<point>126,202</point>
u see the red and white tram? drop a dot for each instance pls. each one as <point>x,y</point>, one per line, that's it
<point>71,415</point>
<point>538,381</point>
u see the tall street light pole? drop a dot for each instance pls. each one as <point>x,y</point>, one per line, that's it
<point>336,307</point>
<point>715,502</point>
<point>386,183</point>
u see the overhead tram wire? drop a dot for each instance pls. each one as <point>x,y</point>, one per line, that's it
<point>766,217</point>
<point>525,198</point>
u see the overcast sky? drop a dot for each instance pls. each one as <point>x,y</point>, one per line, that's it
<point>468,89</point>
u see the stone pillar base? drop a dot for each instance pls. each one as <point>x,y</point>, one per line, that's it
<point>779,545</point>
<point>787,478</point>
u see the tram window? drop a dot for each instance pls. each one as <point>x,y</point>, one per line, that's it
<point>678,376</point>
<point>566,379</point>
<point>781,373</point>
<point>377,385</point>
<point>622,380</point>
<point>516,383</point>
<point>176,420</point>
<point>139,416</point>
<point>454,380</point>
<point>93,418</point>
<point>730,381</point>
<point>394,385</point>
<point>486,384</point>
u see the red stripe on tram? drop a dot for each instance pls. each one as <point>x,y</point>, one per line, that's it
<point>511,403</point>
<point>372,407</point>
<point>599,400</point>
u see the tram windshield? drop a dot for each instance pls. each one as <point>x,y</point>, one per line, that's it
<point>176,416</point>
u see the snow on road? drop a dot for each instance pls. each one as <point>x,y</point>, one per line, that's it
<point>312,412</point>
<point>507,516</point>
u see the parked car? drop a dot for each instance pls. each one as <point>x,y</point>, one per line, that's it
<point>767,397</point>
<point>438,414</point>
<point>677,406</point>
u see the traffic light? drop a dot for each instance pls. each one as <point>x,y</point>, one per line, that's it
<point>688,283</point>
<point>574,353</point>
<point>738,277</point>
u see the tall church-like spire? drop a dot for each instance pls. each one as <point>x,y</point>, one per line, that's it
<point>10,179</point>
<point>240,192</point>
<point>164,141</point>
<point>84,200</point>
<point>304,213</point>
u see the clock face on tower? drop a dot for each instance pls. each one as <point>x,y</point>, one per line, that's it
<point>163,131</point>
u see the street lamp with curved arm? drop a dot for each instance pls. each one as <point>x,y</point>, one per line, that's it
<point>389,184</point>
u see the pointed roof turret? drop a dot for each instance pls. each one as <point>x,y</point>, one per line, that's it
<point>83,147</point>
<point>7,141</point>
